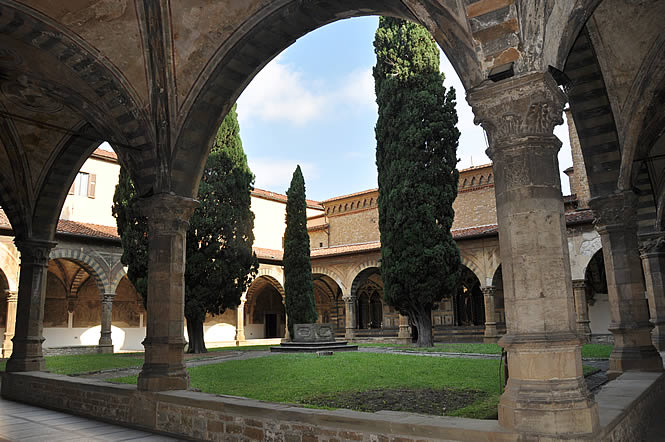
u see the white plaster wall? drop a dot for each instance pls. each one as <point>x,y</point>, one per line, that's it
<point>95,210</point>
<point>269,223</point>
<point>221,332</point>
<point>255,331</point>
<point>599,314</point>
<point>123,338</point>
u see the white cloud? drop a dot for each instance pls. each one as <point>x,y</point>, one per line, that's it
<point>275,174</point>
<point>358,89</point>
<point>277,93</point>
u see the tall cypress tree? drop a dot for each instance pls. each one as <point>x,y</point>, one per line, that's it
<point>220,260</point>
<point>416,158</point>
<point>298,285</point>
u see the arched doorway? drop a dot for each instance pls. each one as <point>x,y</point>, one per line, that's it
<point>4,289</point>
<point>329,303</point>
<point>597,299</point>
<point>499,303</point>
<point>372,312</point>
<point>469,304</point>
<point>265,315</point>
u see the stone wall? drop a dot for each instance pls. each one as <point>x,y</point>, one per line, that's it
<point>71,350</point>
<point>354,227</point>
<point>475,207</point>
<point>209,417</point>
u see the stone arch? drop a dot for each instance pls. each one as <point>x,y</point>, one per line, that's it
<point>328,296</point>
<point>357,270</point>
<point>89,263</point>
<point>247,51</point>
<point>468,300</point>
<point>261,302</point>
<point>9,265</point>
<point>332,274</point>
<point>116,273</point>
<point>273,275</point>
<point>471,264</point>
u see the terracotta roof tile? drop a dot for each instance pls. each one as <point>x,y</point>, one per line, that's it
<point>280,197</point>
<point>86,229</point>
<point>362,192</point>
<point>105,154</point>
<point>268,253</point>
<point>344,250</point>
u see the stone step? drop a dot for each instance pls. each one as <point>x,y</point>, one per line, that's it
<point>311,347</point>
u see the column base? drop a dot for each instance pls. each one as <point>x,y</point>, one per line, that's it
<point>584,331</point>
<point>658,337</point>
<point>105,348</point>
<point>491,336</point>
<point>159,378</point>
<point>17,364</point>
<point>546,394</point>
<point>633,350</point>
<point>6,348</point>
<point>350,334</point>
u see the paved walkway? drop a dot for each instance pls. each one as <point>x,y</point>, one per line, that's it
<point>26,423</point>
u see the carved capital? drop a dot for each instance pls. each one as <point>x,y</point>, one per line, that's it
<point>490,290</point>
<point>652,244</point>
<point>12,296</point>
<point>349,298</point>
<point>615,210</point>
<point>33,251</point>
<point>515,110</point>
<point>107,298</point>
<point>168,213</point>
<point>579,284</point>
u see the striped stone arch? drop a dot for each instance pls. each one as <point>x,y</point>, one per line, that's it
<point>9,265</point>
<point>590,251</point>
<point>360,268</point>
<point>116,273</point>
<point>272,273</point>
<point>89,263</point>
<point>472,265</point>
<point>331,274</point>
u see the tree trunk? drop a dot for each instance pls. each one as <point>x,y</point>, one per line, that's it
<point>195,335</point>
<point>423,320</point>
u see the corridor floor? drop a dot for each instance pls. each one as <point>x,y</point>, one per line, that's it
<point>25,423</point>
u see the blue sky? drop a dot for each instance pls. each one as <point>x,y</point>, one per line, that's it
<point>314,105</point>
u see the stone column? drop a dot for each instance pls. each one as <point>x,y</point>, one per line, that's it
<point>164,367</point>
<point>351,306</point>
<point>581,309</point>
<point>491,335</point>
<point>240,321</point>
<point>404,333</point>
<point>652,253</point>
<point>105,342</point>
<point>616,222</point>
<point>546,395</point>
<point>10,326</point>
<point>27,352</point>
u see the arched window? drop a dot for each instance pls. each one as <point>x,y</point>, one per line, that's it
<point>473,181</point>
<point>480,182</point>
<point>464,183</point>
<point>352,206</point>
<point>489,178</point>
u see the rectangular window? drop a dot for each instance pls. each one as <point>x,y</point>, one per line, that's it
<point>81,184</point>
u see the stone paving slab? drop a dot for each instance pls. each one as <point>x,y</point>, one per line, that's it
<point>25,423</point>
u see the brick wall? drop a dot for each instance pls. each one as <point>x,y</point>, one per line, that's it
<point>475,207</point>
<point>354,227</point>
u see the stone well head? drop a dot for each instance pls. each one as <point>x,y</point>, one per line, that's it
<point>313,333</point>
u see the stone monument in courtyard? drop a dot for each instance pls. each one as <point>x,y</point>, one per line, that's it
<point>313,338</point>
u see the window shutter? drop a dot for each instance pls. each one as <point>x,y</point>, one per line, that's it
<point>91,185</point>
<point>71,189</point>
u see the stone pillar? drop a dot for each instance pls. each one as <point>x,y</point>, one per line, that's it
<point>105,342</point>
<point>616,222</point>
<point>10,326</point>
<point>240,321</point>
<point>491,335</point>
<point>164,367</point>
<point>27,351</point>
<point>351,306</point>
<point>404,333</point>
<point>652,253</point>
<point>581,309</point>
<point>546,395</point>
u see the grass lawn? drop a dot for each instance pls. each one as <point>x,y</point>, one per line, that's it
<point>600,351</point>
<point>293,378</point>
<point>74,364</point>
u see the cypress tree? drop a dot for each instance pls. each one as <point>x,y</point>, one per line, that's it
<point>298,286</point>
<point>220,260</point>
<point>133,231</point>
<point>416,158</point>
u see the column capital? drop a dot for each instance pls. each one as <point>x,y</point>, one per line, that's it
<point>652,244</point>
<point>579,284</point>
<point>488,290</point>
<point>349,298</point>
<point>167,212</point>
<point>12,295</point>
<point>617,210</point>
<point>108,297</point>
<point>34,251</point>
<point>515,110</point>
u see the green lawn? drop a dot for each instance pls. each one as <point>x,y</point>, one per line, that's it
<point>294,377</point>
<point>75,364</point>
<point>601,351</point>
